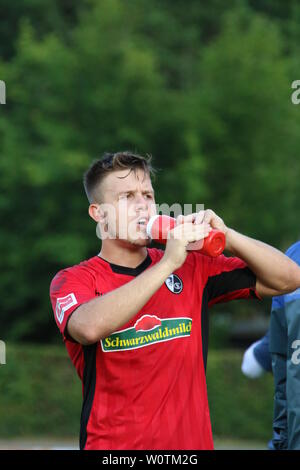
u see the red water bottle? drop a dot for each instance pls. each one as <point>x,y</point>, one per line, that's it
<point>212,245</point>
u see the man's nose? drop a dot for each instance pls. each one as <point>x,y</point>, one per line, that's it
<point>140,201</point>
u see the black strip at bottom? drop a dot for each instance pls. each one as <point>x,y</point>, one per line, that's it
<point>89,386</point>
<point>204,325</point>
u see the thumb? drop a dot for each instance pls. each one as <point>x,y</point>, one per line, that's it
<point>179,219</point>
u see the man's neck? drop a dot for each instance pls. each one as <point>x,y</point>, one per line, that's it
<point>122,253</point>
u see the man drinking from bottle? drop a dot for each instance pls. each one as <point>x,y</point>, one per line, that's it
<point>134,319</point>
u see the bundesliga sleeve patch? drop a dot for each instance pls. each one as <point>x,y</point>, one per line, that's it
<point>63,304</point>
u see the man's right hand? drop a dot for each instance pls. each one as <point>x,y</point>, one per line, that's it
<point>179,237</point>
<point>101,316</point>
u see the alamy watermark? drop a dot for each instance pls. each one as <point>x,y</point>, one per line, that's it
<point>2,353</point>
<point>296,354</point>
<point>295,97</point>
<point>2,92</point>
<point>123,220</point>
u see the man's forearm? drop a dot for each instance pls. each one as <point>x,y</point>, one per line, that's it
<point>103,315</point>
<point>270,265</point>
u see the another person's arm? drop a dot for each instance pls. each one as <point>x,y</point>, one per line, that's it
<point>257,358</point>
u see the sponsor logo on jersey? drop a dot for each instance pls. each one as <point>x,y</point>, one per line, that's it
<point>63,304</point>
<point>149,329</point>
<point>174,284</point>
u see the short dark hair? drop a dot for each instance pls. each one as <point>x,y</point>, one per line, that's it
<point>110,162</point>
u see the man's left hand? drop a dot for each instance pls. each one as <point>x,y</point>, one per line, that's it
<point>207,216</point>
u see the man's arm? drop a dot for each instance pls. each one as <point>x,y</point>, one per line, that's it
<point>96,319</point>
<point>276,273</point>
<point>101,316</point>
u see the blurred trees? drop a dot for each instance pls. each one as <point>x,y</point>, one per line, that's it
<point>205,89</point>
<point>248,129</point>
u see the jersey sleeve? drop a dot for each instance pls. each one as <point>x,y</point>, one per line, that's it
<point>228,278</point>
<point>262,353</point>
<point>68,290</point>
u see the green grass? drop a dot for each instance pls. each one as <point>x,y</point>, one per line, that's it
<point>41,395</point>
<point>40,392</point>
<point>241,408</point>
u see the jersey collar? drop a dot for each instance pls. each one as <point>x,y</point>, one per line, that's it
<point>129,271</point>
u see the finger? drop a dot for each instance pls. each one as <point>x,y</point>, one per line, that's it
<point>187,229</point>
<point>208,216</point>
<point>199,217</point>
<point>190,218</point>
<point>185,218</point>
<point>193,230</point>
<point>191,227</point>
<point>199,234</point>
<point>180,227</point>
<point>179,219</point>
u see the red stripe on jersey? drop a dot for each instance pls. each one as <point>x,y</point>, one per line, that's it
<point>238,294</point>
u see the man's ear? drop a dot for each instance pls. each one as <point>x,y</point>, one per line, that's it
<point>96,213</point>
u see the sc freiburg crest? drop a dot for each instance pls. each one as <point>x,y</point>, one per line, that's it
<point>174,284</point>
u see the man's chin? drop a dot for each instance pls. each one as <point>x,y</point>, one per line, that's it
<point>139,238</point>
<point>140,242</point>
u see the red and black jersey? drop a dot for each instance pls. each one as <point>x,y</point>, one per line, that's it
<point>144,385</point>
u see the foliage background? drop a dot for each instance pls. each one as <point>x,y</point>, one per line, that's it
<point>205,87</point>
<point>42,397</point>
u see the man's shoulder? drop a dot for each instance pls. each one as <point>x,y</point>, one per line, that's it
<point>221,262</point>
<point>83,270</point>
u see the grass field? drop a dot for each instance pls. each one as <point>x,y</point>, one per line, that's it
<point>72,444</point>
<point>41,399</point>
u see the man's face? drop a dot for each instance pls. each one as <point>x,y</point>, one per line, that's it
<point>128,203</point>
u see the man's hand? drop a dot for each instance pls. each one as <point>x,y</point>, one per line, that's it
<point>178,239</point>
<point>205,217</point>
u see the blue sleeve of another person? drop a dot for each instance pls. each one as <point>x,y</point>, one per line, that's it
<point>262,353</point>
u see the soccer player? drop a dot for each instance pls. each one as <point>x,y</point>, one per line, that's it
<point>135,319</point>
